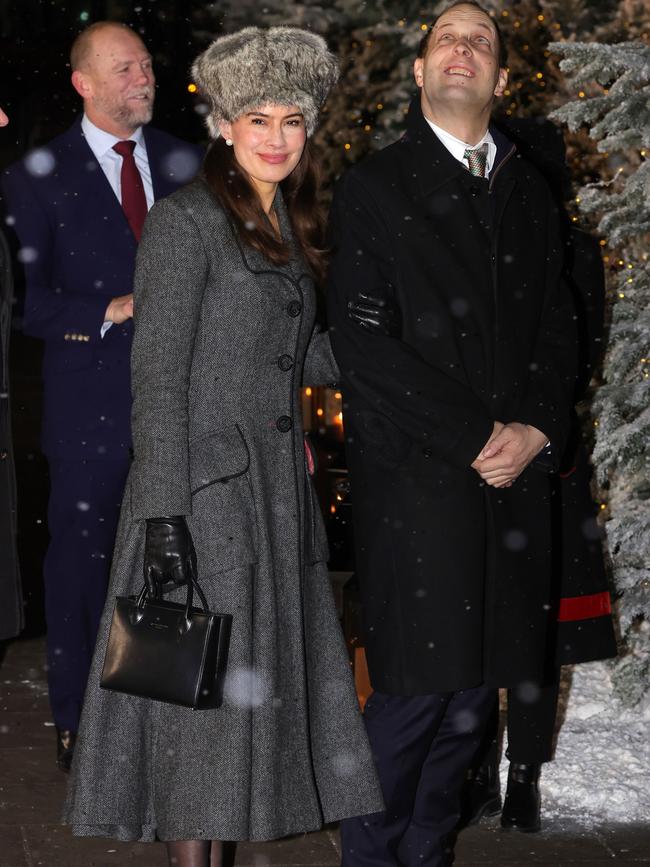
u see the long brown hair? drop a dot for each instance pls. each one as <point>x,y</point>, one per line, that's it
<point>236,193</point>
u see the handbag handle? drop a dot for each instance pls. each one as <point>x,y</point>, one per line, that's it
<point>191,586</point>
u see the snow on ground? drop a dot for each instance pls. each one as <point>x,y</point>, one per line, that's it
<point>601,771</point>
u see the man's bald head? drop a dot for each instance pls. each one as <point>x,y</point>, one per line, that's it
<point>82,48</point>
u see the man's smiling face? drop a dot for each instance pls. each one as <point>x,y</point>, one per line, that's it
<point>461,65</point>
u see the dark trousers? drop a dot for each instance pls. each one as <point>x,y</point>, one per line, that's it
<point>422,746</point>
<point>83,511</point>
<point>531,725</point>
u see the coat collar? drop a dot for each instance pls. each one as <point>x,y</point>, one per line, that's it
<point>296,269</point>
<point>433,164</point>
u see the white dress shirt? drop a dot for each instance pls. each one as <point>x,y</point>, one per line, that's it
<point>101,144</point>
<point>457,148</point>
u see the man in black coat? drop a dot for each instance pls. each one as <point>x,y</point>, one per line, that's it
<point>451,423</point>
<point>580,596</point>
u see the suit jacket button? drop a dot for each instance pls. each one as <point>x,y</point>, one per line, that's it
<point>284,424</point>
<point>428,453</point>
<point>475,190</point>
<point>294,308</point>
<point>285,362</point>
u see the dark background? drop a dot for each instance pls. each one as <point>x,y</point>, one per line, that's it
<point>36,93</point>
<point>35,87</point>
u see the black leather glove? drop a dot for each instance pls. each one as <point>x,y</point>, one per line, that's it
<point>168,553</point>
<point>376,314</point>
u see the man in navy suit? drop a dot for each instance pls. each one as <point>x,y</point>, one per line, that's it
<point>77,206</point>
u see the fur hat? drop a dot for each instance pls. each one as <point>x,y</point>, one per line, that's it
<point>255,67</point>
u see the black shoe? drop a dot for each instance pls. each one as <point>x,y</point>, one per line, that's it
<point>521,809</point>
<point>481,796</point>
<point>65,741</point>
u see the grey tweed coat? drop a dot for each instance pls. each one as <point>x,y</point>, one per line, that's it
<point>223,342</point>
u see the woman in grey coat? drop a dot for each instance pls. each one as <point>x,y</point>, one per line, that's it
<point>224,339</point>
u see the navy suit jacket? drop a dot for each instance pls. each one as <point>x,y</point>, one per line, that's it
<point>78,252</point>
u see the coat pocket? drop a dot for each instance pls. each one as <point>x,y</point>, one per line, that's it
<point>68,358</point>
<point>223,520</point>
<point>217,457</point>
<point>389,445</point>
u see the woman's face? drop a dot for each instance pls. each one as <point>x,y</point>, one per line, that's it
<point>268,142</point>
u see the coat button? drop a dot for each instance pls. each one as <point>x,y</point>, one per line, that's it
<point>428,453</point>
<point>284,423</point>
<point>294,308</point>
<point>475,190</point>
<point>285,362</point>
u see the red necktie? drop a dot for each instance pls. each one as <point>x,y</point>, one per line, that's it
<point>134,201</point>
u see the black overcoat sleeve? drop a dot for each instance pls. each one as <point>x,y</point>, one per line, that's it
<point>425,403</point>
<point>553,368</point>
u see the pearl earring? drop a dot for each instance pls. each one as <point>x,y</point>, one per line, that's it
<point>229,142</point>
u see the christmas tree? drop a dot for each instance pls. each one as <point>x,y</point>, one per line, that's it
<point>613,83</point>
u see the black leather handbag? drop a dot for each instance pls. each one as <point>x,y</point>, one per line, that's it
<point>167,651</point>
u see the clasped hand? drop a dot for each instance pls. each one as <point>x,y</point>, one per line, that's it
<point>508,452</point>
<point>168,553</point>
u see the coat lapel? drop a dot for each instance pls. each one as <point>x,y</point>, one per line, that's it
<point>296,269</point>
<point>433,165</point>
<point>172,162</point>
<point>502,183</point>
<point>93,186</point>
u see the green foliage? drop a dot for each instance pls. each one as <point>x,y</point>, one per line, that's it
<point>613,104</point>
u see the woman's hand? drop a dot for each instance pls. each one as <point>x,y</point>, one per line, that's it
<point>168,553</point>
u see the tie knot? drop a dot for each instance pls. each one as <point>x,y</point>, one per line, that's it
<point>124,148</point>
<point>477,159</point>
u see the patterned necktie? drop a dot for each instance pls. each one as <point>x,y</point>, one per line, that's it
<point>134,200</point>
<point>477,160</point>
